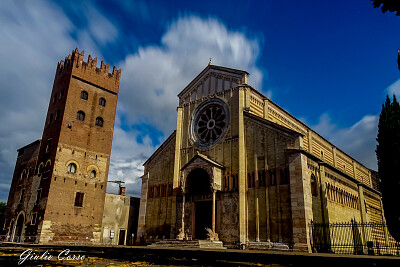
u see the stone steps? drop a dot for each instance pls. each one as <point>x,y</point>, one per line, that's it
<point>268,246</point>
<point>189,244</point>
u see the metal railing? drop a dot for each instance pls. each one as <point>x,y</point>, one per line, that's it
<point>353,238</point>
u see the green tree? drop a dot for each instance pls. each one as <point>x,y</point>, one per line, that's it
<point>388,5</point>
<point>388,155</point>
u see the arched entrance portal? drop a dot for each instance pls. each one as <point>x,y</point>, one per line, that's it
<point>199,192</point>
<point>18,228</point>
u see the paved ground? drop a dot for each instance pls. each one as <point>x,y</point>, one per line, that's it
<point>11,254</point>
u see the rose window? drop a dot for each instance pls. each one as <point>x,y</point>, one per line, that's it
<point>209,123</point>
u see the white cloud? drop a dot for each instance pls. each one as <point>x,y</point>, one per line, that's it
<point>359,140</point>
<point>152,78</point>
<point>394,88</point>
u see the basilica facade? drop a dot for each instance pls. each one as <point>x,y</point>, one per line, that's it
<point>248,171</point>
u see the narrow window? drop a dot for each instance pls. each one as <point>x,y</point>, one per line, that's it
<point>84,95</point>
<point>99,121</point>
<point>34,217</point>
<point>38,196</point>
<point>71,168</point>
<point>57,114</point>
<point>102,102</point>
<point>272,177</point>
<point>79,199</point>
<point>93,174</point>
<point>80,115</point>
<point>51,118</point>
<point>40,169</point>
<point>314,186</point>
<point>62,94</point>
<point>21,198</point>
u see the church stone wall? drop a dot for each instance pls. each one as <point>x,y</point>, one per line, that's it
<point>158,194</point>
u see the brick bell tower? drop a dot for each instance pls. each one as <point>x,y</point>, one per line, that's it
<point>75,150</point>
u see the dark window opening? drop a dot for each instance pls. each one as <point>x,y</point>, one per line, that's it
<point>102,102</point>
<point>34,217</point>
<point>272,177</point>
<point>314,186</point>
<point>38,196</point>
<point>99,121</point>
<point>22,195</point>
<point>80,115</point>
<point>79,199</point>
<point>84,95</point>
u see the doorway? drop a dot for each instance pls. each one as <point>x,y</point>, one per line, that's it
<point>121,239</point>
<point>19,228</point>
<point>203,218</point>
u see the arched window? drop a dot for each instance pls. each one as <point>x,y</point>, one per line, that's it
<point>93,174</point>
<point>102,102</point>
<point>99,121</point>
<point>84,95</point>
<point>80,115</point>
<point>71,168</point>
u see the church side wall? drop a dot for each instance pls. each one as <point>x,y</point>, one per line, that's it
<point>268,191</point>
<point>159,183</point>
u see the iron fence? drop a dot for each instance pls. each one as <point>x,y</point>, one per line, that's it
<point>353,238</point>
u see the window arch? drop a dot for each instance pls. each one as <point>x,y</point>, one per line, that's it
<point>71,168</point>
<point>80,115</point>
<point>102,102</point>
<point>93,174</point>
<point>99,121</point>
<point>84,95</point>
<point>40,168</point>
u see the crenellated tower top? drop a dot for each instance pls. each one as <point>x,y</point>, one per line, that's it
<point>75,63</point>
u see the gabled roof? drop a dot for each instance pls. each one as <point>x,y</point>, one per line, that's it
<point>205,158</point>
<point>214,67</point>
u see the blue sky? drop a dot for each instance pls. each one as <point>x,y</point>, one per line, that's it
<point>329,63</point>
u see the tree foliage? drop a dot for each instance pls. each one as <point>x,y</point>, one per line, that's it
<point>388,5</point>
<point>388,155</point>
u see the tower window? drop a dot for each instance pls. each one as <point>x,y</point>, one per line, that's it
<point>79,199</point>
<point>57,114</point>
<point>80,115</point>
<point>71,168</point>
<point>51,118</point>
<point>21,198</point>
<point>55,98</point>
<point>93,174</point>
<point>102,102</point>
<point>99,121</point>
<point>84,95</point>
<point>62,94</point>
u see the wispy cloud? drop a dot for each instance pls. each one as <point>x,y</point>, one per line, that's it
<point>358,140</point>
